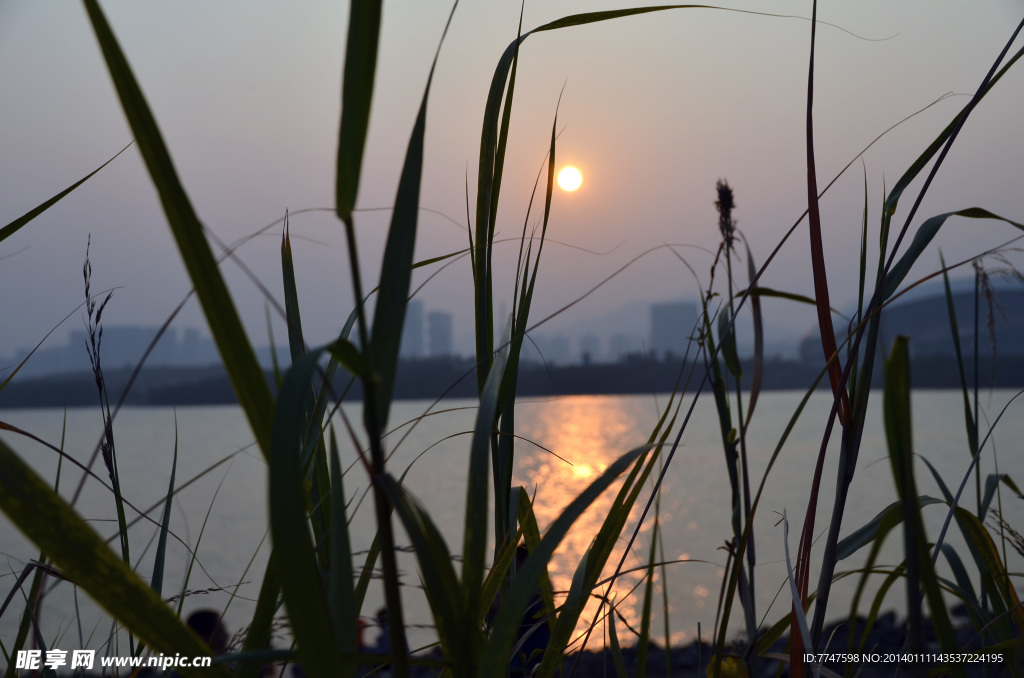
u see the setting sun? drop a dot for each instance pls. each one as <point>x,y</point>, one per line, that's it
<point>570,179</point>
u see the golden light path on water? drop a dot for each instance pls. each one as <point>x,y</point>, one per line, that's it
<point>588,434</point>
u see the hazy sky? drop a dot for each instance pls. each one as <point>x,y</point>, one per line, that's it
<point>656,108</point>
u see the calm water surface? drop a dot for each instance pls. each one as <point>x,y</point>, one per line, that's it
<point>566,443</point>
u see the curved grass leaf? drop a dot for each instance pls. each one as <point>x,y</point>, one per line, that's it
<point>991,485</point>
<point>343,608</point>
<point>924,235</point>
<point>613,641</point>
<point>257,639</point>
<point>888,518</point>
<point>645,616</point>
<point>239,359</point>
<point>531,535</point>
<point>161,547</point>
<point>296,343</point>
<point>972,428</point>
<point>294,560</point>
<point>356,96</point>
<point>441,584</point>
<point>474,546</point>
<point>499,644</point>
<point>69,542</point>
<point>993,570</point>
<point>396,270</point>
<point>798,609</point>
<point>11,228</point>
<point>922,161</point>
<point>920,572</point>
<point>727,341</point>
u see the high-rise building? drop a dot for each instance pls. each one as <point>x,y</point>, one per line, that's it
<point>672,325</point>
<point>439,333</point>
<point>590,349</point>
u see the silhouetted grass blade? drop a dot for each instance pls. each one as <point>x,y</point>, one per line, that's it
<point>499,644</point>
<point>86,560</point>
<point>920,573</point>
<point>301,582</point>
<point>11,228</point>
<point>161,546</point>
<point>475,523</point>
<point>246,376</point>
<point>924,235</point>
<point>441,584</point>
<point>357,94</point>
<point>341,601</point>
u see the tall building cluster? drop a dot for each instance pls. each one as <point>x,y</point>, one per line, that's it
<point>426,334</point>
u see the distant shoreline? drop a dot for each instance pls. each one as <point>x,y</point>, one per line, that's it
<point>429,379</point>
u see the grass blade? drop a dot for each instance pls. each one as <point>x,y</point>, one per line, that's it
<point>344,611</point>
<point>296,343</point>
<point>475,533</point>
<point>499,644</point>
<point>441,584</point>
<point>924,235</point>
<point>83,557</point>
<point>161,547</point>
<point>357,93</point>
<point>396,270</point>
<point>920,572</point>
<point>11,228</point>
<point>293,549</point>
<point>239,359</point>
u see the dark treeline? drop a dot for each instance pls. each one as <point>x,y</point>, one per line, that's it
<point>428,379</point>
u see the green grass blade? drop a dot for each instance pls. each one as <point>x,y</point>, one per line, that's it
<point>499,644</point>
<point>356,96</point>
<point>920,573</point>
<point>161,547</point>
<point>943,487</point>
<point>396,270</point>
<point>11,228</point>
<point>922,161</point>
<point>616,651</point>
<point>994,572</point>
<point>42,516</point>
<point>475,533</point>
<point>442,587</point>
<point>963,580</point>
<point>991,485</point>
<point>531,535</point>
<point>972,430</point>
<point>798,610</point>
<point>727,341</point>
<point>876,606</point>
<point>755,310</point>
<point>888,518</point>
<point>239,359</point>
<point>344,611</point>
<point>296,343</point>
<point>761,291</point>
<point>924,235</point>
<point>261,624</point>
<point>645,618</point>
<point>293,549</point>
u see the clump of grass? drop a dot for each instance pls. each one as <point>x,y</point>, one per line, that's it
<point>312,569</point>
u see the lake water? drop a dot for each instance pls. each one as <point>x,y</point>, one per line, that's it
<point>587,432</point>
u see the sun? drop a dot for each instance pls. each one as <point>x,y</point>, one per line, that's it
<point>570,179</point>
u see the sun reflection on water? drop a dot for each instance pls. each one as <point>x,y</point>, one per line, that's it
<point>588,434</point>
